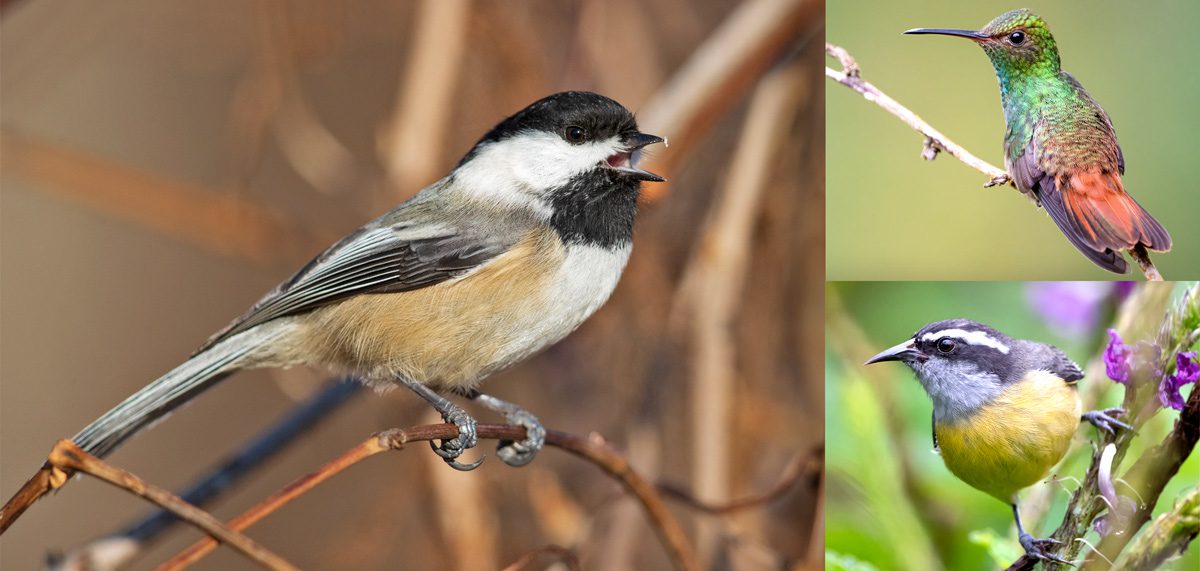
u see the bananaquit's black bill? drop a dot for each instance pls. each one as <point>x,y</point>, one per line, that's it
<point>906,351</point>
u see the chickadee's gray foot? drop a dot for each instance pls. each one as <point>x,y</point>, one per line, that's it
<point>1037,548</point>
<point>1106,419</point>
<point>451,449</point>
<point>522,452</point>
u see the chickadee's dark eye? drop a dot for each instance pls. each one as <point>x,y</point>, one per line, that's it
<point>945,345</point>
<point>1016,38</point>
<point>574,134</point>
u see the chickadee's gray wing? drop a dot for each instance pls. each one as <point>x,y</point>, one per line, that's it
<point>389,255</point>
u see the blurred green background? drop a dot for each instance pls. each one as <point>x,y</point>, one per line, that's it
<point>891,503</point>
<point>892,215</point>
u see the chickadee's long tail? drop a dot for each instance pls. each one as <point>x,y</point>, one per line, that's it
<point>175,388</point>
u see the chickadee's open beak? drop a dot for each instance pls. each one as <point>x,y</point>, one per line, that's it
<point>969,34</point>
<point>626,161</point>
<point>906,352</point>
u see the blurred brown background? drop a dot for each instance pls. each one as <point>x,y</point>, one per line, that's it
<point>166,162</point>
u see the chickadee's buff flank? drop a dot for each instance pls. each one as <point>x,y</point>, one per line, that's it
<point>1004,409</point>
<point>524,239</point>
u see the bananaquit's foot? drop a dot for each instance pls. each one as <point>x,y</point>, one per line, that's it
<point>451,449</point>
<point>515,453</point>
<point>1037,548</point>
<point>1106,419</point>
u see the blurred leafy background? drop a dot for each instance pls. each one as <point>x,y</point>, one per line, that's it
<point>891,503</point>
<point>892,215</point>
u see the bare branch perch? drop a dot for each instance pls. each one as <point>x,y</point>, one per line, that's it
<point>935,141</point>
<point>593,449</point>
<point>69,458</point>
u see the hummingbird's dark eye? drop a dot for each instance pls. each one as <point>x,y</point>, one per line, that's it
<point>945,345</point>
<point>1016,38</point>
<point>574,134</point>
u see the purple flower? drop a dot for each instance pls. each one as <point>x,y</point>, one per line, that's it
<point>1123,289</point>
<point>1070,308</point>
<point>1116,358</point>
<point>1187,370</point>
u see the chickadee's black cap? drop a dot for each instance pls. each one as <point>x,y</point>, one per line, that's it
<point>600,116</point>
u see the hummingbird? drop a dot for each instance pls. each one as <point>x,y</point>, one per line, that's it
<point>1060,148</point>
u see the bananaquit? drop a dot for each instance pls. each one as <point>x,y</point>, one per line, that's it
<point>1004,409</point>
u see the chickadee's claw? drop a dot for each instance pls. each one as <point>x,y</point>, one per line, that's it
<point>521,453</point>
<point>1106,419</point>
<point>1036,548</point>
<point>451,449</point>
<point>516,453</point>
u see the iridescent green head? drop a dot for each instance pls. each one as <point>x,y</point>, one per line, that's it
<point>1018,43</point>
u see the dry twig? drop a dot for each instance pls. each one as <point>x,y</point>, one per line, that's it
<point>935,141</point>
<point>67,458</point>
<point>593,449</point>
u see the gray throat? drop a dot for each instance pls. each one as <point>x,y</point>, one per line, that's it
<point>959,390</point>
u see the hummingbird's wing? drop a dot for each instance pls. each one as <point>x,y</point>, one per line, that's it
<point>1030,177</point>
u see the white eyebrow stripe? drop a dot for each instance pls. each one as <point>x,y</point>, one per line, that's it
<point>972,337</point>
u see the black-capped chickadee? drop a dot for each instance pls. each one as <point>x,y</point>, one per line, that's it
<point>524,239</point>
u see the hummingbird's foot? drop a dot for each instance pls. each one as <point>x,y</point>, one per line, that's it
<point>522,452</point>
<point>1036,548</point>
<point>1106,419</point>
<point>451,449</point>
<point>998,181</point>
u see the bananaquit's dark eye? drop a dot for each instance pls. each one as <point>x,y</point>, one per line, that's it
<point>945,345</point>
<point>574,134</point>
<point>1016,38</point>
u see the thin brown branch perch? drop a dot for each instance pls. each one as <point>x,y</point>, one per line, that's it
<point>935,141</point>
<point>31,491</point>
<point>69,458</point>
<point>593,449</point>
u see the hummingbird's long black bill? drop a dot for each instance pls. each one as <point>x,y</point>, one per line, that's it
<point>969,34</point>
<point>906,351</point>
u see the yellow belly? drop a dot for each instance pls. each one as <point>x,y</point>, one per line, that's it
<point>1013,442</point>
